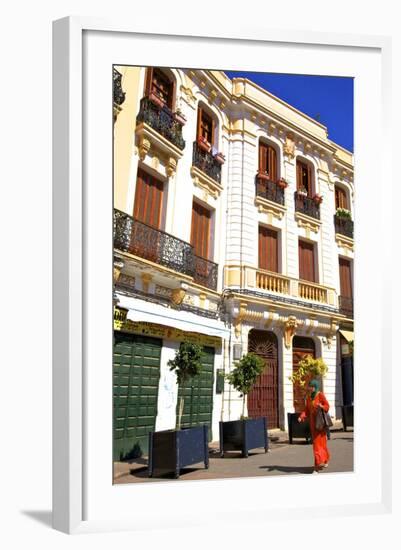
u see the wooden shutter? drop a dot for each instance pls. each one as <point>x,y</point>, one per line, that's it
<point>262,157</point>
<point>341,198</point>
<point>306,253</point>
<point>148,199</point>
<point>345,278</point>
<point>299,175</point>
<point>200,230</point>
<point>309,184</point>
<point>272,164</point>
<point>268,249</point>
<point>148,81</point>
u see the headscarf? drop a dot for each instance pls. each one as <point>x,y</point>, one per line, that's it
<point>315,384</point>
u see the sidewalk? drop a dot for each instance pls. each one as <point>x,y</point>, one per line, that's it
<point>281,459</point>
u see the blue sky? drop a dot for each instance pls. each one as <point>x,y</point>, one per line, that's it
<point>328,99</point>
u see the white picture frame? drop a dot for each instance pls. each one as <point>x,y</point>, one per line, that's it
<point>75,39</point>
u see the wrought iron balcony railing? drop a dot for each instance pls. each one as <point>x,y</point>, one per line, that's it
<point>205,272</point>
<point>268,189</point>
<point>306,205</point>
<point>206,162</point>
<point>344,226</point>
<point>140,239</point>
<point>346,306</point>
<point>162,120</point>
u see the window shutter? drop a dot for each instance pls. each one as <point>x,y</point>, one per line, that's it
<point>148,199</point>
<point>262,157</point>
<point>268,249</point>
<point>212,137</point>
<point>299,175</point>
<point>199,123</point>
<point>272,164</point>
<point>345,278</point>
<point>200,230</point>
<point>148,81</point>
<point>310,182</point>
<point>306,254</point>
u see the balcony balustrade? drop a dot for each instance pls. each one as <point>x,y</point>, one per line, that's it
<point>269,190</point>
<point>266,280</point>
<point>206,162</point>
<point>346,306</point>
<point>306,205</point>
<point>140,239</point>
<point>161,119</point>
<point>205,272</point>
<point>312,291</point>
<point>344,226</point>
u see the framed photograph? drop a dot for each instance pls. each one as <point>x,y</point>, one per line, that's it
<point>218,249</point>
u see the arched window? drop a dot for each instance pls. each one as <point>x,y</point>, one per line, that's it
<point>160,85</point>
<point>268,161</point>
<point>305,177</point>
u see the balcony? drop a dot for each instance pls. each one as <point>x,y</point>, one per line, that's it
<point>269,190</point>
<point>307,206</point>
<point>346,306</point>
<point>344,226</point>
<point>159,247</point>
<point>161,119</point>
<point>206,163</point>
<point>280,287</point>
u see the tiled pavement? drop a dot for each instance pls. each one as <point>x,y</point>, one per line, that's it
<point>281,459</point>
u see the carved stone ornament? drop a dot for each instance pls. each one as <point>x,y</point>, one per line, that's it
<point>117,267</point>
<point>239,318</point>
<point>290,327</point>
<point>331,334</point>
<point>177,296</point>
<point>171,167</point>
<point>289,146</point>
<point>146,278</point>
<point>143,148</point>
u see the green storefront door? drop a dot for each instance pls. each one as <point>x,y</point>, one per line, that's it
<point>136,374</point>
<point>198,394</point>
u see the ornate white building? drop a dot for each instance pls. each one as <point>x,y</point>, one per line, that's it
<point>233,228</point>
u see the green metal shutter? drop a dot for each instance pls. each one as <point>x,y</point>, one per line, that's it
<point>198,394</point>
<point>136,374</point>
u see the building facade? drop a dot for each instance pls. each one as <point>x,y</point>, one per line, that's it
<point>233,229</point>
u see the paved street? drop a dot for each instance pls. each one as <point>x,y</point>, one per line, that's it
<point>282,459</point>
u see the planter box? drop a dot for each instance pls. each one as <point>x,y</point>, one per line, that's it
<point>348,416</point>
<point>243,435</point>
<point>298,429</point>
<point>171,450</point>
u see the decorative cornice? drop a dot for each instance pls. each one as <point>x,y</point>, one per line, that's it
<point>308,223</point>
<point>203,181</point>
<point>270,207</point>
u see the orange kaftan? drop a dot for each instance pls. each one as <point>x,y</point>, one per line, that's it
<point>319,438</point>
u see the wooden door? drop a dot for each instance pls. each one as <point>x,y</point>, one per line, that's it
<point>345,278</point>
<point>136,374</point>
<point>200,230</point>
<point>268,249</point>
<point>341,198</point>
<point>306,254</point>
<point>300,347</point>
<point>263,399</point>
<point>148,199</point>
<point>268,160</point>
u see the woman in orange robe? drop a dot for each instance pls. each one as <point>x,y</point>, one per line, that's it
<point>315,400</point>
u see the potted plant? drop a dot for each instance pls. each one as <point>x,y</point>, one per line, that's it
<point>247,433</point>
<point>308,368</point>
<point>204,144</point>
<point>171,450</point>
<point>179,117</point>
<point>220,158</point>
<point>318,198</point>
<point>282,183</point>
<point>343,213</point>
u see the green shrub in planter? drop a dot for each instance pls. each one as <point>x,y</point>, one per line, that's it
<point>245,374</point>
<point>343,213</point>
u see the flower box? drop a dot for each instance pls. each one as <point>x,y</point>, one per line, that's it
<point>171,450</point>
<point>156,99</point>
<point>204,144</point>
<point>180,118</point>
<point>220,158</point>
<point>243,435</point>
<point>282,183</point>
<point>318,199</point>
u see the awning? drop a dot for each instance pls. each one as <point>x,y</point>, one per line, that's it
<point>348,335</point>
<point>141,311</point>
